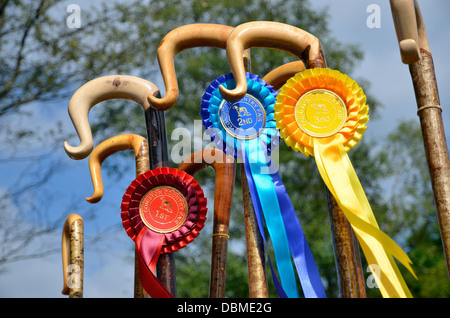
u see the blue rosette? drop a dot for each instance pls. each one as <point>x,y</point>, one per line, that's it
<point>246,129</point>
<point>223,129</point>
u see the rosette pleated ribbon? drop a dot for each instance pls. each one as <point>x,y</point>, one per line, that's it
<point>163,210</point>
<point>323,113</point>
<point>246,129</point>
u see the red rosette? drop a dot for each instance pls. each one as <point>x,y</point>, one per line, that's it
<point>174,185</point>
<point>163,210</point>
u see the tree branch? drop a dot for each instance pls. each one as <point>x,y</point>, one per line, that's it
<point>10,83</point>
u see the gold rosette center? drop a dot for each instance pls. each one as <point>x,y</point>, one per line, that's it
<point>320,103</point>
<point>163,209</point>
<point>320,113</point>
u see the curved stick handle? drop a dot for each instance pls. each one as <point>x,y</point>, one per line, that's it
<point>96,91</point>
<point>110,146</point>
<point>177,40</point>
<point>225,169</point>
<point>273,35</point>
<point>281,74</point>
<point>72,252</point>
<point>410,29</point>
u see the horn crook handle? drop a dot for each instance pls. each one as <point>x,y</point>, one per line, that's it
<point>281,74</point>
<point>177,40</point>
<point>96,91</point>
<point>225,171</point>
<point>110,146</point>
<point>72,256</point>
<point>273,35</point>
<point>99,154</point>
<point>410,29</point>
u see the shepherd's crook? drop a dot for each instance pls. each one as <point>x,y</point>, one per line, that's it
<point>110,146</point>
<point>225,169</point>
<point>99,90</point>
<point>415,51</point>
<point>99,154</point>
<point>177,40</point>
<point>73,256</point>
<point>185,37</point>
<point>138,90</point>
<point>308,48</point>
<point>269,35</point>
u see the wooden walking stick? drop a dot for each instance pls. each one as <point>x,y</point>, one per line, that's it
<point>137,90</point>
<point>256,262</point>
<point>225,169</point>
<point>177,40</point>
<point>159,157</point>
<point>140,147</point>
<point>99,154</point>
<point>308,49</point>
<point>73,256</point>
<point>210,35</point>
<point>415,51</point>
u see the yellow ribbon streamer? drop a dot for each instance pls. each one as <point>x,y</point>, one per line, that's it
<point>323,113</point>
<point>341,179</point>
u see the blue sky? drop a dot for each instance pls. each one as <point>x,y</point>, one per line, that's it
<point>111,274</point>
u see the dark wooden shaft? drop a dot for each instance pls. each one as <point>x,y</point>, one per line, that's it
<point>158,154</point>
<point>225,175</point>
<point>225,170</point>
<point>346,247</point>
<point>255,245</point>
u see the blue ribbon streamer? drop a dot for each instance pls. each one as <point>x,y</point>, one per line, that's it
<point>303,259</point>
<point>258,214</point>
<point>268,200</point>
<point>269,196</point>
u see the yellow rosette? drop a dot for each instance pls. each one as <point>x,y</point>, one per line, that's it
<point>323,113</point>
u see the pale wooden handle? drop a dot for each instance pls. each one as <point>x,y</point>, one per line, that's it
<point>96,91</point>
<point>281,74</point>
<point>410,29</point>
<point>273,35</point>
<point>110,146</point>
<point>177,40</point>
<point>72,252</point>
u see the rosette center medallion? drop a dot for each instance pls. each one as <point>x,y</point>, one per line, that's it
<point>320,113</point>
<point>163,209</point>
<point>243,119</point>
